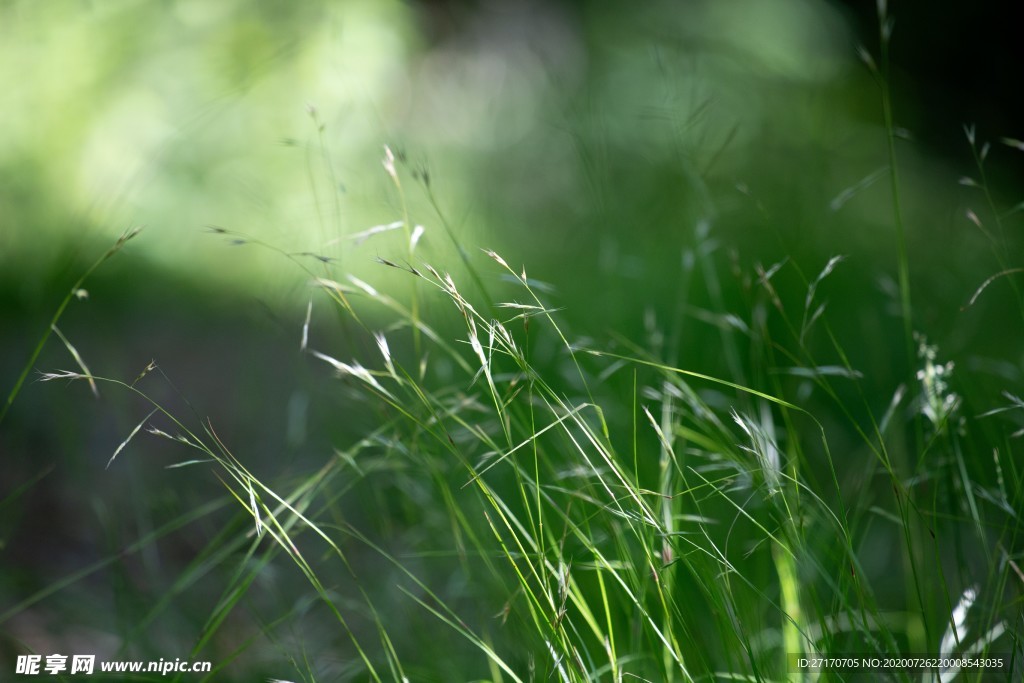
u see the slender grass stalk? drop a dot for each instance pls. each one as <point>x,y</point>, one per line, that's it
<point>392,171</point>
<point>904,503</point>
<point>903,260</point>
<point>72,293</point>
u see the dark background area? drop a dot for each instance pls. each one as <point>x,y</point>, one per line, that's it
<point>955,64</point>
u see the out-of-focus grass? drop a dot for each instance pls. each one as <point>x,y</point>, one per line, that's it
<point>542,121</point>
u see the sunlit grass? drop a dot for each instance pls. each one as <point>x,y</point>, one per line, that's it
<point>539,499</point>
<point>690,528</point>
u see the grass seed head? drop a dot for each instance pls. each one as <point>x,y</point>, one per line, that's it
<point>1014,143</point>
<point>498,259</point>
<point>417,234</point>
<point>389,163</point>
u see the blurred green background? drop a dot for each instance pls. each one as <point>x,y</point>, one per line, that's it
<point>599,146</point>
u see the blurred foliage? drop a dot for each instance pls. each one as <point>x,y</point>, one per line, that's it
<point>549,132</point>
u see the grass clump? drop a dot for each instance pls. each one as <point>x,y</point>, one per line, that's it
<point>520,499</point>
<point>563,508</point>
